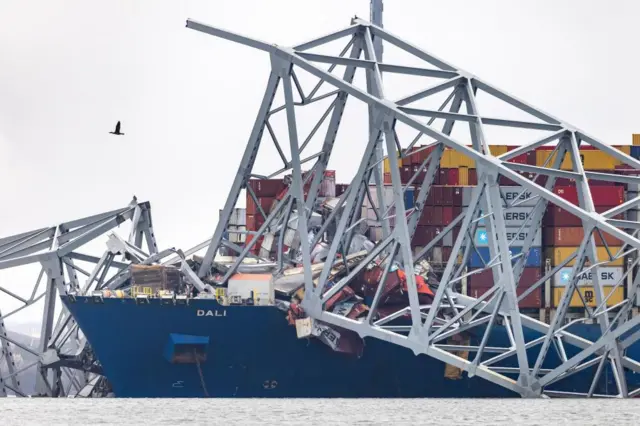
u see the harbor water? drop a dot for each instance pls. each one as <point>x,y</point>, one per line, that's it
<point>319,411</point>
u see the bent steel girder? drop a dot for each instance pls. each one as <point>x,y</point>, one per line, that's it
<point>450,313</point>
<point>56,250</point>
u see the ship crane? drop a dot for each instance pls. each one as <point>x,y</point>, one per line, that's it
<point>451,313</point>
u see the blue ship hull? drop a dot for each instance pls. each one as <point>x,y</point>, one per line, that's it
<point>251,351</point>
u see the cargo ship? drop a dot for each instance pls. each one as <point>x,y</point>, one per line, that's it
<point>165,343</point>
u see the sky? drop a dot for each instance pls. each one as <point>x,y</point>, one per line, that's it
<point>187,101</point>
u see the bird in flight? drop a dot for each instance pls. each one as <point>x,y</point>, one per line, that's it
<point>117,132</point>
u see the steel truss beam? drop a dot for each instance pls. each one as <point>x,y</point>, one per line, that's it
<point>55,249</point>
<point>450,312</point>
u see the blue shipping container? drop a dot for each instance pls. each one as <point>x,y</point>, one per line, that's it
<point>408,198</point>
<point>635,152</point>
<point>533,259</point>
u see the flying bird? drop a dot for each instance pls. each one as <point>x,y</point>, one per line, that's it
<point>117,132</point>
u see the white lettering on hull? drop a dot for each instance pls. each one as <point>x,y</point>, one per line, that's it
<point>211,313</point>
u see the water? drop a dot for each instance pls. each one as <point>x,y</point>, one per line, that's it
<point>14,411</point>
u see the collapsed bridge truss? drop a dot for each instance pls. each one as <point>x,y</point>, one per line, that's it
<point>63,360</point>
<point>451,312</point>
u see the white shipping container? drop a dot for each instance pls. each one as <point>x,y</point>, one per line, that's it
<point>608,276</point>
<point>375,233</point>
<point>526,198</point>
<point>260,284</point>
<point>238,217</point>
<point>436,254</point>
<point>516,234</point>
<point>237,238</point>
<point>515,216</point>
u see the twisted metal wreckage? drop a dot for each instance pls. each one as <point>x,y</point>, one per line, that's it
<point>449,313</point>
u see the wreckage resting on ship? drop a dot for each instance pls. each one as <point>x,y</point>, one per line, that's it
<point>459,270</point>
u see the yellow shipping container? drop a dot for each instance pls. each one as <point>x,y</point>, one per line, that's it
<point>625,148</point>
<point>453,159</point>
<point>387,166</point>
<point>636,139</point>
<point>559,254</point>
<point>463,176</point>
<point>589,295</point>
<point>498,149</point>
<point>591,160</point>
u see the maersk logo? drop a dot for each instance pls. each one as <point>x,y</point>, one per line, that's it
<point>564,277</point>
<point>482,237</point>
<point>210,313</point>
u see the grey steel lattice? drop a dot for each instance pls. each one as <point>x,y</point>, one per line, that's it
<point>62,348</point>
<point>451,312</point>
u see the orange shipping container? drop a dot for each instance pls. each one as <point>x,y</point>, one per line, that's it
<point>589,295</point>
<point>573,236</point>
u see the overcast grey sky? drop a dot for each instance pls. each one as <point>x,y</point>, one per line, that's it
<point>70,69</point>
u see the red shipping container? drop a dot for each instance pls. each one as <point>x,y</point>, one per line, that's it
<point>452,177</point>
<point>529,277</point>
<point>265,203</point>
<point>442,175</point>
<point>406,172</point>
<point>447,195</point>
<point>602,195</point>
<point>456,211</point>
<point>426,217</point>
<point>556,216</point>
<point>526,158</point>
<point>407,158</point>
<point>431,199</point>
<point>573,236</point>
<point>266,187</point>
<point>446,253</point>
<point>438,196</point>
<point>437,216</point>
<point>456,197</point>
<point>421,236</point>
<point>387,178</point>
<point>473,177</point>
<point>479,284</point>
<point>254,222</point>
<point>532,301</point>
<point>447,215</point>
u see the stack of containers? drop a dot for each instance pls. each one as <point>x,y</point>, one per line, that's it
<point>563,234</point>
<point>443,205</point>
<point>267,192</point>
<point>518,229</point>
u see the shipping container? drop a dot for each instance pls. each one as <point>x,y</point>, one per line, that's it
<point>258,287</point>
<point>453,177</point>
<point>573,236</point>
<point>266,187</point>
<point>497,150</point>
<point>532,301</point>
<point>447,215</point>
<point>447,195</point>
<point>254,222</point>
<point>635,149</point>
<point>511,194</point>
<point>386,167</point>
<point>341,189</point>
<point>526,158</point>
<point>408,198</point>
<point>602,195</point>
<point>589,295</point>
<point>265,203</point>
<point>591,160</point>
<point>558,254</point>
<point>517,235</point>
<point>473,177</point>
<point>476,258</point>
<point>421,237</point>
<point>454,159</point>
<point>456,196</point>
<point>635,139</point>
<point>463,176</point>
<point>557,216</point>
<point>238,217</point>
<point>375,233</point>
<point>529,277</point>
<point>607,275</point>
<point>515,216</point>
<point>328,184</point>
<point>237,237</point>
